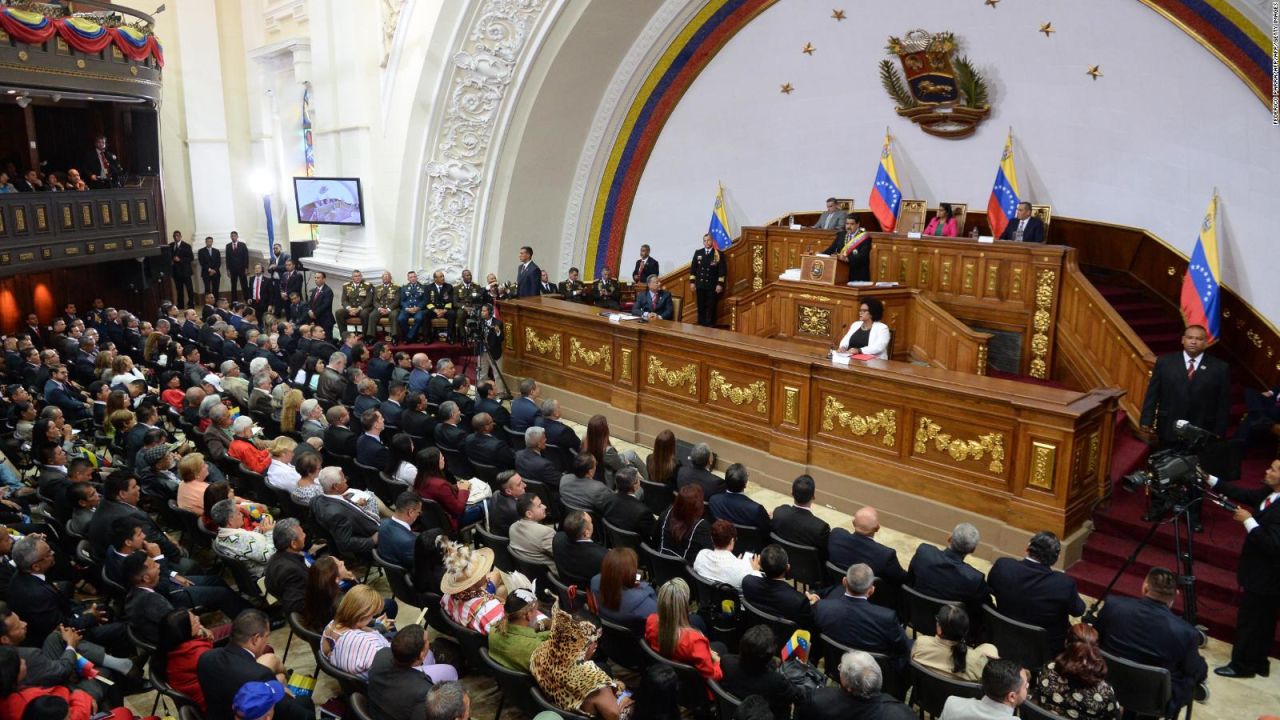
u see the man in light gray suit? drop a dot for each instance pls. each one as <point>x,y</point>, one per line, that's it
<point>580,490</point>
<point>833,218</point>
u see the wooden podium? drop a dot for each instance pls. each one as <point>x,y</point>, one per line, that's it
<point>823,270</point>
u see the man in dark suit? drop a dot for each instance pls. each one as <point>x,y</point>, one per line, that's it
<point>846,548</point>
<point>397,686</point>
<point>502,508</point>
<point>395,535</point>
<point>290,282</point>
<point>210,259</point>
<point>848,617</point>
<point>546,287</point>
<point>449,432</point>
<point>441,382</point>
<point>1194,387</point>
<point>654,302</point>
<point>393,407</point>
<point>237,264</point>
<point>487,403</point>
<point>858,697</point>
<point>222,671</point>
<point>320,306</point>
<point>796,523</point>
<point>943,574</point>
<point>530,462</point>
<point>1145,630</point>
<point>287,570</point>
<point>1258,573</point>
<point>524,409</point>
<point>332,384</point>
<point>56,393</point>
<point>353,527</point>
<point>482,447</point>
<point>184,291</point>
<point>102,165</point>
<point>528,274</point>
<point>121,494</point>
<point>646,267</point>
<point>734,505</point>
<point>1025,227</point>
<point>625,510</point>
<point>339,437</point>
<point>771,593</point>
<point>369,448</point>
<point>697,471</point>
<point>577,556</point>
<point>1031,591</point>
<point>558,434</point>
<point>853,245</point>
<point>414,419</point>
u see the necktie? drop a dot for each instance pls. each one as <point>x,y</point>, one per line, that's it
<point>102,160</point>
<point>316,295</point>
<point>257,287</point>
<point>1191,368</point>
<point>1267,503</point>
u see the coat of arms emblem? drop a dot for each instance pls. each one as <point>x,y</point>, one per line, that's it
<point>942,93</point>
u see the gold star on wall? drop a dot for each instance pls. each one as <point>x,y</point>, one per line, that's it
<point>787,89</point>
<point>992,3</point>
<point>1094,72</point>
<point>837,15</point>
<point>808,48</point>
<point>1047,28</point>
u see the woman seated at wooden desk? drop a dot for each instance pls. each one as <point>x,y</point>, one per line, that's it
<point>868,336</point>
<point>944,223</point>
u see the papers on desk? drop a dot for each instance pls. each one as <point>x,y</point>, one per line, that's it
<point>622,317</point>
<point>887,284</point>
<point>860,283</point>
<point>790,274</point>
<point>840,358</point>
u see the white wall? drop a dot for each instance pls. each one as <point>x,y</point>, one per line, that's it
<point>1144,145</point>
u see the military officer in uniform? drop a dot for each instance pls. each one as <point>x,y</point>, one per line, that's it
<point>412,303</point>
<point>440,300</point>
<point>357,301</point>
<point>706,276</point>
<point>386,304</point>
<point>469,296</point>
<point>572,289</point>
<point>607,290</point>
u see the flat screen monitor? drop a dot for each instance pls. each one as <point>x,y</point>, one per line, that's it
<point>328,201</point>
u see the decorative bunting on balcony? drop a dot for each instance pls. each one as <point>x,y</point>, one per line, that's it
<point>82,34</point>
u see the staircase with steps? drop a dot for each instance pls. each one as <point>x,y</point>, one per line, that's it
<point>1118,525</point>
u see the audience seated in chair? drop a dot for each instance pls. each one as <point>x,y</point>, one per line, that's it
<point>947,653</point>
<point>431,484</point>
<point>846,548</point>
<point>530,462</point>
<point>577,557</point>
<point>734,505</point>
<point>669,633</point>
<point>395,535</point>
<point>622,597</point>
<point>579,489</point>
<point>563,669</point>
<point>848,617</point>
<point>943,574</point>
<point>1031,591</point>
<point>625,510</point>
<point>682,530</point>
<point>771,593</point>
<point>531,541</point>
<point>697,471</point>
<point>719,564</point>
<point>513,640</point>
<point>1004,688</point>
<point>858,696</point>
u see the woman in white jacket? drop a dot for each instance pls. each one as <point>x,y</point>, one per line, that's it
<point>868,336</point>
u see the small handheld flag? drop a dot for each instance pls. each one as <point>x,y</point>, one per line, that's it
<point>797,645</point>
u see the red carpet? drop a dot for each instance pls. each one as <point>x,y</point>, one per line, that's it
<point>1118,524</point>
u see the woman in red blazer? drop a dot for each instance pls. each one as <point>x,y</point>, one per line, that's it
<point>669,633</point>
<point>431,484</point>
<point>182,641</point>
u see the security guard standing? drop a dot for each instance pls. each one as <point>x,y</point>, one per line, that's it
<point>412,301</point>
<point>386,304</point>
<point>572,289</point>
<point>469,297</point>
<point>357,302</point>
<point>706,275</point>
<point>440,301</point>
<point>607,290</point>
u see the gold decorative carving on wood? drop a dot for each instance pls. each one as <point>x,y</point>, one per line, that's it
<point>813,321</point>
<point>902,270</point>
<point>1044,460</point>
<point>624,357</point>
<point>124,211</point>
<point>967,283</point>
<point>791,405</point>
<point>686,377</point>
<point>142,211</point>
<point>46,253</point>
<point>1015,285</point>
<point>71,250</point>
<point>86,215</point>
<point>67,221</point>
<point>90,248</point>
<point>546,347</point>
<point>1094,444</point>
<point>1254,338</point>
<point>982,359</point>
<point>19,219</point>
<point>508,337</point>
<point>884,268</point>
<point>884,422</point>
<point>105,211</point>
<point>26,256</point>
<point>961,450</point>
<point>128,243</point>
<point>757,267</point>
<point>924,273</point>
<point>110,246</point>
<point>42,219</point>
<point>993,277</point>
<point>592,358</point>
<point>755,392</point>
<point>1041,322</point>
<point>148,242</point>
<point>946,274</point>
<point>733,317</point>
<point>814,298</point>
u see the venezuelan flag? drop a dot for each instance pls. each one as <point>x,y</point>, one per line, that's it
<point>886,198</point>
<point>720,222</point>
<point>798,645</point>
<point>1003,203</point>
<point>1199,301</point>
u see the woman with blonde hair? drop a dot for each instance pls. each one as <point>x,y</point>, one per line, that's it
<point>116,401</point>
<point>281,474</point>
<point>122,421</point>
<point>122,371</point>
<point>102,366</point>
<point>669,633</point>
<point>354,636</point>
<point>289,408</point>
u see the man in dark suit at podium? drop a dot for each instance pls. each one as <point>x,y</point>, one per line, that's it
<point>853,246</point>
<point>1025,226</point>
<point>528,275</point>
<point>655,302</point>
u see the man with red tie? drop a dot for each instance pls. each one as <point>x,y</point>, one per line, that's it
<point>654,302</point>
<point>102,165</point>
<point>259,290</point>
<point>320,305</point>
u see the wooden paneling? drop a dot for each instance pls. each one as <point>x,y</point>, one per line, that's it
<point>1027,455</point>
<point>39,231</point>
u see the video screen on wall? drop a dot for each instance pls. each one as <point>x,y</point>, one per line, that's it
<point>328,200</point>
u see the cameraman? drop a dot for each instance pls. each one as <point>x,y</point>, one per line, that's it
<point>489,350</point>
<point>1258,574</point>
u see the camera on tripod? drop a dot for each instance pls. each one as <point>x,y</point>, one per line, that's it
<point>1172,473</point>
<point>472,333</point>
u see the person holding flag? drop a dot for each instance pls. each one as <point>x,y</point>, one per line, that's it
<point>886,198</point>
<point>1002,206</point>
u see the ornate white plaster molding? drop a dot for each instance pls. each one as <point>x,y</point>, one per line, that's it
<point>610,113</point>
<point>390,21</point>
<point>495,45</point>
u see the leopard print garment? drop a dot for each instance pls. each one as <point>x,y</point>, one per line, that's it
<point>558,667</point>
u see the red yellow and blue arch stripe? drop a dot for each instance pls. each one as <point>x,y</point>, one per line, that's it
<point>1216,25</point>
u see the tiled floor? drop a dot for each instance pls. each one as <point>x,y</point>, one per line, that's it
<point>1229,699</point>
